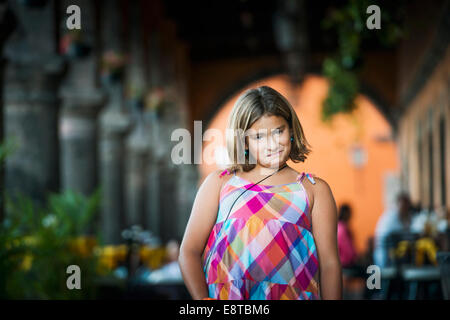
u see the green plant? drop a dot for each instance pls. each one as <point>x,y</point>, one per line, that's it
<point>37,246</point>
<point>348,25</point>
<point>344,87</point>
<point>112,66</point>
<point>159,99</point>
<point>7,148</point>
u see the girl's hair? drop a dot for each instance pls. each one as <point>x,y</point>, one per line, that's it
<point>249,107</point>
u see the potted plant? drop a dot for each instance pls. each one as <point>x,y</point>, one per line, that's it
<point>72,45</point>
<point>39,242</point>
<point>135,97</point>
<point>112,66</point>
<point>157,99</point>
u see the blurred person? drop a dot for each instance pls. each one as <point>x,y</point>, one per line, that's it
<point>443,227</point>
<point>353,274</point>
<point>396,219</point>
<point>430,222</point>
<point>347,251</point>
<point>170,271</point>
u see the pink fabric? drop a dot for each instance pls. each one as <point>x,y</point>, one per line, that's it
<point>347,252</point>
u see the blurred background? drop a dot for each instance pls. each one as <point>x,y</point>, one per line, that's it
<point>87,116</point>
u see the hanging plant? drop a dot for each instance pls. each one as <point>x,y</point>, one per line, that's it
<point>135,97</point>
<point>72,45</point>
<point>156,99</point>
<point>343,89</point>
<point>112,66</point>
<point>342,67</point>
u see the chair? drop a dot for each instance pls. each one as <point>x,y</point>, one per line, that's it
<point>392,282</point>
<point>443,259</point>
<point>418,279</point>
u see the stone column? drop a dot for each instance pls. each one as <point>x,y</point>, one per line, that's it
<point>168,70</point>
<point>7,26</point>
<point>82,100</point>
<point>138,151</point>
<point>164,202</point>
<point>115,124</point>
<point>138,143</point>
<point>292,37</point>
<point>152,210</point>
<point>31,103</point>
<point>169,174</point>
<point>188,173</point>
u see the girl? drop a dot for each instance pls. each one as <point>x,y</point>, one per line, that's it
<point>277,240</point>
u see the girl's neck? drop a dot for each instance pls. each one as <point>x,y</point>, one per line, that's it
<point>264,171</point>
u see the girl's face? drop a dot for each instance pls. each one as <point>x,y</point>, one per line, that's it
<point>268,140</point>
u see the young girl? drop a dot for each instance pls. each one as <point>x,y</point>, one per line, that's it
<point>276,240</point>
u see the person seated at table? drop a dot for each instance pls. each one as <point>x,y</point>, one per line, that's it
<point>170,271</point>
<point>395,219</point>
<point>430,222</point>
<point>347,251</point>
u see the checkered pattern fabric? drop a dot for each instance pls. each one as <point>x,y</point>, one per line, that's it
<point>265,250</point>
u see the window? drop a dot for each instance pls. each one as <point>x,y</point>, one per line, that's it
<point>419,161</point>
<point>430,161</point>
<point>442,153</point>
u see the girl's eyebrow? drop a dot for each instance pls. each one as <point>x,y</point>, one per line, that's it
<point>262,131</point>
<point>280,127</point>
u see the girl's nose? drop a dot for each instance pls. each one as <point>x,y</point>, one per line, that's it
<point>273,143</point>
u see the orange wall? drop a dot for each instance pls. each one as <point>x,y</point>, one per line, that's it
<point>330,159</point>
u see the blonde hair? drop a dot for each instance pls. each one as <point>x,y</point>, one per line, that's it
<point>249,107</point>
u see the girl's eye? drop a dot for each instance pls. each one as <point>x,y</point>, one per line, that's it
<point>278,131</point>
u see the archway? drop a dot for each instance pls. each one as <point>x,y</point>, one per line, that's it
<point>355,153</point>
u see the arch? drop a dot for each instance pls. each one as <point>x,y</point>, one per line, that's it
<point>355,154</point>
<point>229,92</point>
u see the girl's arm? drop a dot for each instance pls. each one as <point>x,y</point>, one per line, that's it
<point>324,221</point>
<point>202,219</point>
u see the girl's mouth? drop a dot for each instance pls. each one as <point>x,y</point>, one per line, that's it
<point>274,154</point>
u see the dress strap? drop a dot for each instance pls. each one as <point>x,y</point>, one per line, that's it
<point>309,176</point>
<point>226,171</point>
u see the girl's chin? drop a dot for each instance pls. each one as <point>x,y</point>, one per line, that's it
<point>275,163</point>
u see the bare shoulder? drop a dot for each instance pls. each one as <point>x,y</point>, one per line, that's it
<point>317,190</point>
<point>323,197</point>
<point>214,176</point>
<point>321,186</point>
<point>204,213</point>
<point>215,180</point>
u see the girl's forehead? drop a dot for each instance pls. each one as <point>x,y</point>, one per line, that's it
<point>268,122</point>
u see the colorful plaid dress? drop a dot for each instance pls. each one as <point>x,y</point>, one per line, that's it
<point>265,250</point>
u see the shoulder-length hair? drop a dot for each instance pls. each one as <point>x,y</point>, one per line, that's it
<point>249,107</point>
